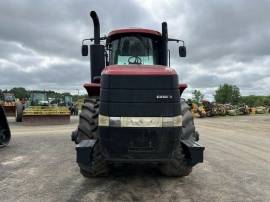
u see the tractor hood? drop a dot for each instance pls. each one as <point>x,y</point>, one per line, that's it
<point>152,89</point>
<point>139,77</point>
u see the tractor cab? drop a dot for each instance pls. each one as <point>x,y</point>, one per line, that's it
<point>9,97</point>
<point>8,103</point>
<point>39,98</point>
<point>134,46</point>
<point>68,100</point>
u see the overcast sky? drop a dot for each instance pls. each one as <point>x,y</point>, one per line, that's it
<point>227,41</point>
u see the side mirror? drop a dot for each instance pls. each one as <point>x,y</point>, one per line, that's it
<point>84,50</point>
<point>182,51</point>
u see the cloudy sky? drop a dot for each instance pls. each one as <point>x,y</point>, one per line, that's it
<point>227,41</point>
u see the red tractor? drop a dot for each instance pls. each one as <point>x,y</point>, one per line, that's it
<point>134,113</point>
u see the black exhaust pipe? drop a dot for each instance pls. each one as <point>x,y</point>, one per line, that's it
<point>95,19</point>
<point>164,44</point>
<point>97,57</point>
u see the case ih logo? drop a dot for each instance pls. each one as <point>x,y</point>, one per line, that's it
<point>164,97</point>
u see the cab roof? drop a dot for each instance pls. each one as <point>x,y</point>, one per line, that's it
<point>133,30</point>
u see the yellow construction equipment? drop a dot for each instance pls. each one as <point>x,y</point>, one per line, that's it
<point>38,111</point>
<point>198,110</point>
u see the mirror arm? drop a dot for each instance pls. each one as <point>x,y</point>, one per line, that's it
<point>177,40</point>
<point>92,39</point>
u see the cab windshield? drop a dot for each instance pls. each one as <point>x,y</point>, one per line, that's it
<point>68,100</point>
<point>39,97</point>
<point>9,97</point>
<point>134,50</point>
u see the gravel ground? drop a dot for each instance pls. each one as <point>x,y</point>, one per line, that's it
<point>39,165</point>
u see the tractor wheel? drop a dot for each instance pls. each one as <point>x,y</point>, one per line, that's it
<point>88,129</point>
<point>99,167</point>
<point>19,112</point>
<point>179,167</point>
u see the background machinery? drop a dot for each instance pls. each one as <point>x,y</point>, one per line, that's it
<point>68,102</point>
<point>209,108</point>
<point>198,110</point>
<point>4,129</point>
<point>135,113</point>
<point>38,110</point>
<point>8,103</point>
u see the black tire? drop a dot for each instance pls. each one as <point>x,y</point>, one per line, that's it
<point>99,167</point>
<point>88,129</point>
<point>19,112</point>
<point>179,167</point>
<point>5,135</point>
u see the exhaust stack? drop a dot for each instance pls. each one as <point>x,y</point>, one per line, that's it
<point>97,51</point>
<point>95,19</point>
<point>164,44</point>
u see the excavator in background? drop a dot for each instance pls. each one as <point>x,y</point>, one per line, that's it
<point>8,103</point>
<point>39,111</point>
<point>5,134</point>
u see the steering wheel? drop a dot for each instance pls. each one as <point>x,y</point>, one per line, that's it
<point>134,60</point>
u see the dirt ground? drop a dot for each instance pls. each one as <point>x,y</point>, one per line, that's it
<point>39,165</point>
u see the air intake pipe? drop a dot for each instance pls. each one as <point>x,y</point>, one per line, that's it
<point>95,19</point>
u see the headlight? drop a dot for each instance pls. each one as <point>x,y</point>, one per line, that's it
<point>103,120</point>
<point>115,121</point>
<point>168,121</point>
<point>175,121</point>
<point>141,121</point>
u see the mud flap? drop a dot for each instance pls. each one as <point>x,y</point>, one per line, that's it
<point>84,153</point>
<point>193,151</point>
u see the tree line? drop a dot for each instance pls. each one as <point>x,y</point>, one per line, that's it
<point>230,94</point>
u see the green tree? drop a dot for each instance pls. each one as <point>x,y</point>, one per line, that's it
<point>198,96</point>
<point>19,92</point>
<point>266,101</point>
<point>227,94</point>
<point>256,100</point>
